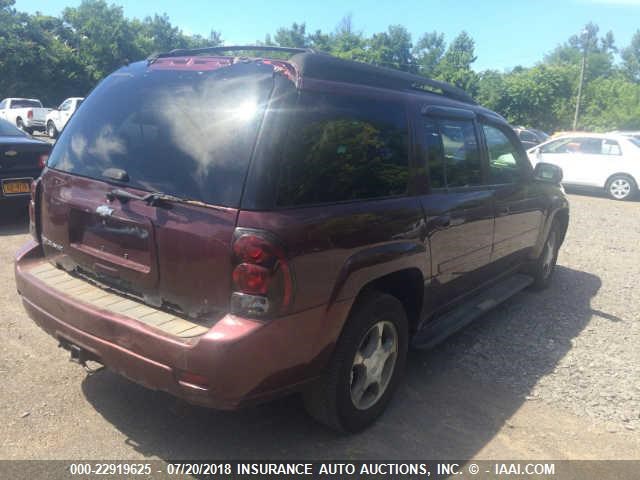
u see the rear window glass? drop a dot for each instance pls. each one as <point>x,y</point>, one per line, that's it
<point>182,132</point>
<point>344,148</point>
<point>25,104</point>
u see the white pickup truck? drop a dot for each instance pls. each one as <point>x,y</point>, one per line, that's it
<point>27,114</point>
<point>58,117</point>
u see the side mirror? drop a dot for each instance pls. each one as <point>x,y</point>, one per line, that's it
<point>547,172</point>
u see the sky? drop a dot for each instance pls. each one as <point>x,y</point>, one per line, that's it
<point>507,33</point>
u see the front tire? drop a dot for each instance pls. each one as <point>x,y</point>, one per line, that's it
<point>52,131</point>
<point>543,268</point>
<point>621,187</point>
<point>365,368</point>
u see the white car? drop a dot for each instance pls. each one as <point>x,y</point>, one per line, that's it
<point>58,117</point>
<point>607,161</point>
<point>27,114</point>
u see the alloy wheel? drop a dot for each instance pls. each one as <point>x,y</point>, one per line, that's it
<point>620,188</point>
<point>373,364</point>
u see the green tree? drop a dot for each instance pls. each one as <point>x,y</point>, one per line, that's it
<point>612,102</point>
<point>392,49</point>
<point>455,66</point>
<point>296,36</point>
<point>631,58</point>
<point>428,52</point>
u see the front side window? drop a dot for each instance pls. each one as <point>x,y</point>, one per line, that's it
<point>503,154</point>
<point>342,148</point>
<point>65,105</point>
<point>454,159</point>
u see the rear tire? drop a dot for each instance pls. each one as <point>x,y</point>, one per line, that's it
<point>543,268</point>
<point>365,368</point>
<point>52,131</point>
<point>621,187</point>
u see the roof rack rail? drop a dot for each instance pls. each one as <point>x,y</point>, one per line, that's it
<point>226,48</point>
<point>328,67</point>
<point>447,89</point>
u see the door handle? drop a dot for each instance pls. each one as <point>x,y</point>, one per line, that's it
<point>502,211</point>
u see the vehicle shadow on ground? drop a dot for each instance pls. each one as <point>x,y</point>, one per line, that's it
<point>14,219</point>
<point>453,400</point>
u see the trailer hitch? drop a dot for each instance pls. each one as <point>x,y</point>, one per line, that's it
<point>81,356</point>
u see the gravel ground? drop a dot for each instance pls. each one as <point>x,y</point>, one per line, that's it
<point>548,375</point>
<point>579,347</point>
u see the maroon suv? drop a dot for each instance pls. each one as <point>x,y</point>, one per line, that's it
<point>232,229</point>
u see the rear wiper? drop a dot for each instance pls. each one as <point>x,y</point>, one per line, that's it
<point>152,198</point>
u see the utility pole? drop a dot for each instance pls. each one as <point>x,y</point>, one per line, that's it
<point>585,35</point>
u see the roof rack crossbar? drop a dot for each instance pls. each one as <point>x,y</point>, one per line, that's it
<point>227,48</point>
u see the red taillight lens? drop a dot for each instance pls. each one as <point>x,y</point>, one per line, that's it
<point>30,114</point>
<point>262,278</point>
<point>42,160</point>
<point>252,279</point>
<point>253,249</point>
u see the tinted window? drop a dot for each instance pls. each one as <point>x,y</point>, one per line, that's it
<point>435,155</point>
<point>503,164</point>
<point>342,148</point>
<point>2,104</point>
<point>25,104</point>
<point>183,132</point>
<point>454,159</point>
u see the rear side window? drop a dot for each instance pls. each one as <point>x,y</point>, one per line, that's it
<point>611,147</point>
<point>186,133</point>
<point>342,148</point>
<point>453,155</point>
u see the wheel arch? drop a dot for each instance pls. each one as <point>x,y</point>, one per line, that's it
<point>620,174</point>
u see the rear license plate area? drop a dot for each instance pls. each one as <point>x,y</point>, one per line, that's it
<point>16,186</point>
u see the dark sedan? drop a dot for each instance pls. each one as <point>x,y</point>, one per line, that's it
<point>22,158</point>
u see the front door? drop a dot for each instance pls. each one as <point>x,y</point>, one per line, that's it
<point>519,202</point>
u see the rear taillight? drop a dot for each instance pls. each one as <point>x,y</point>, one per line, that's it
<point>30,114</point>
<point>42,160</point>
<point>33,211</point>
<point>262,277</point>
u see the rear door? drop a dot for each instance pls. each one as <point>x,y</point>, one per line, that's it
<point>459,206</point>
<point>601,158</point>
